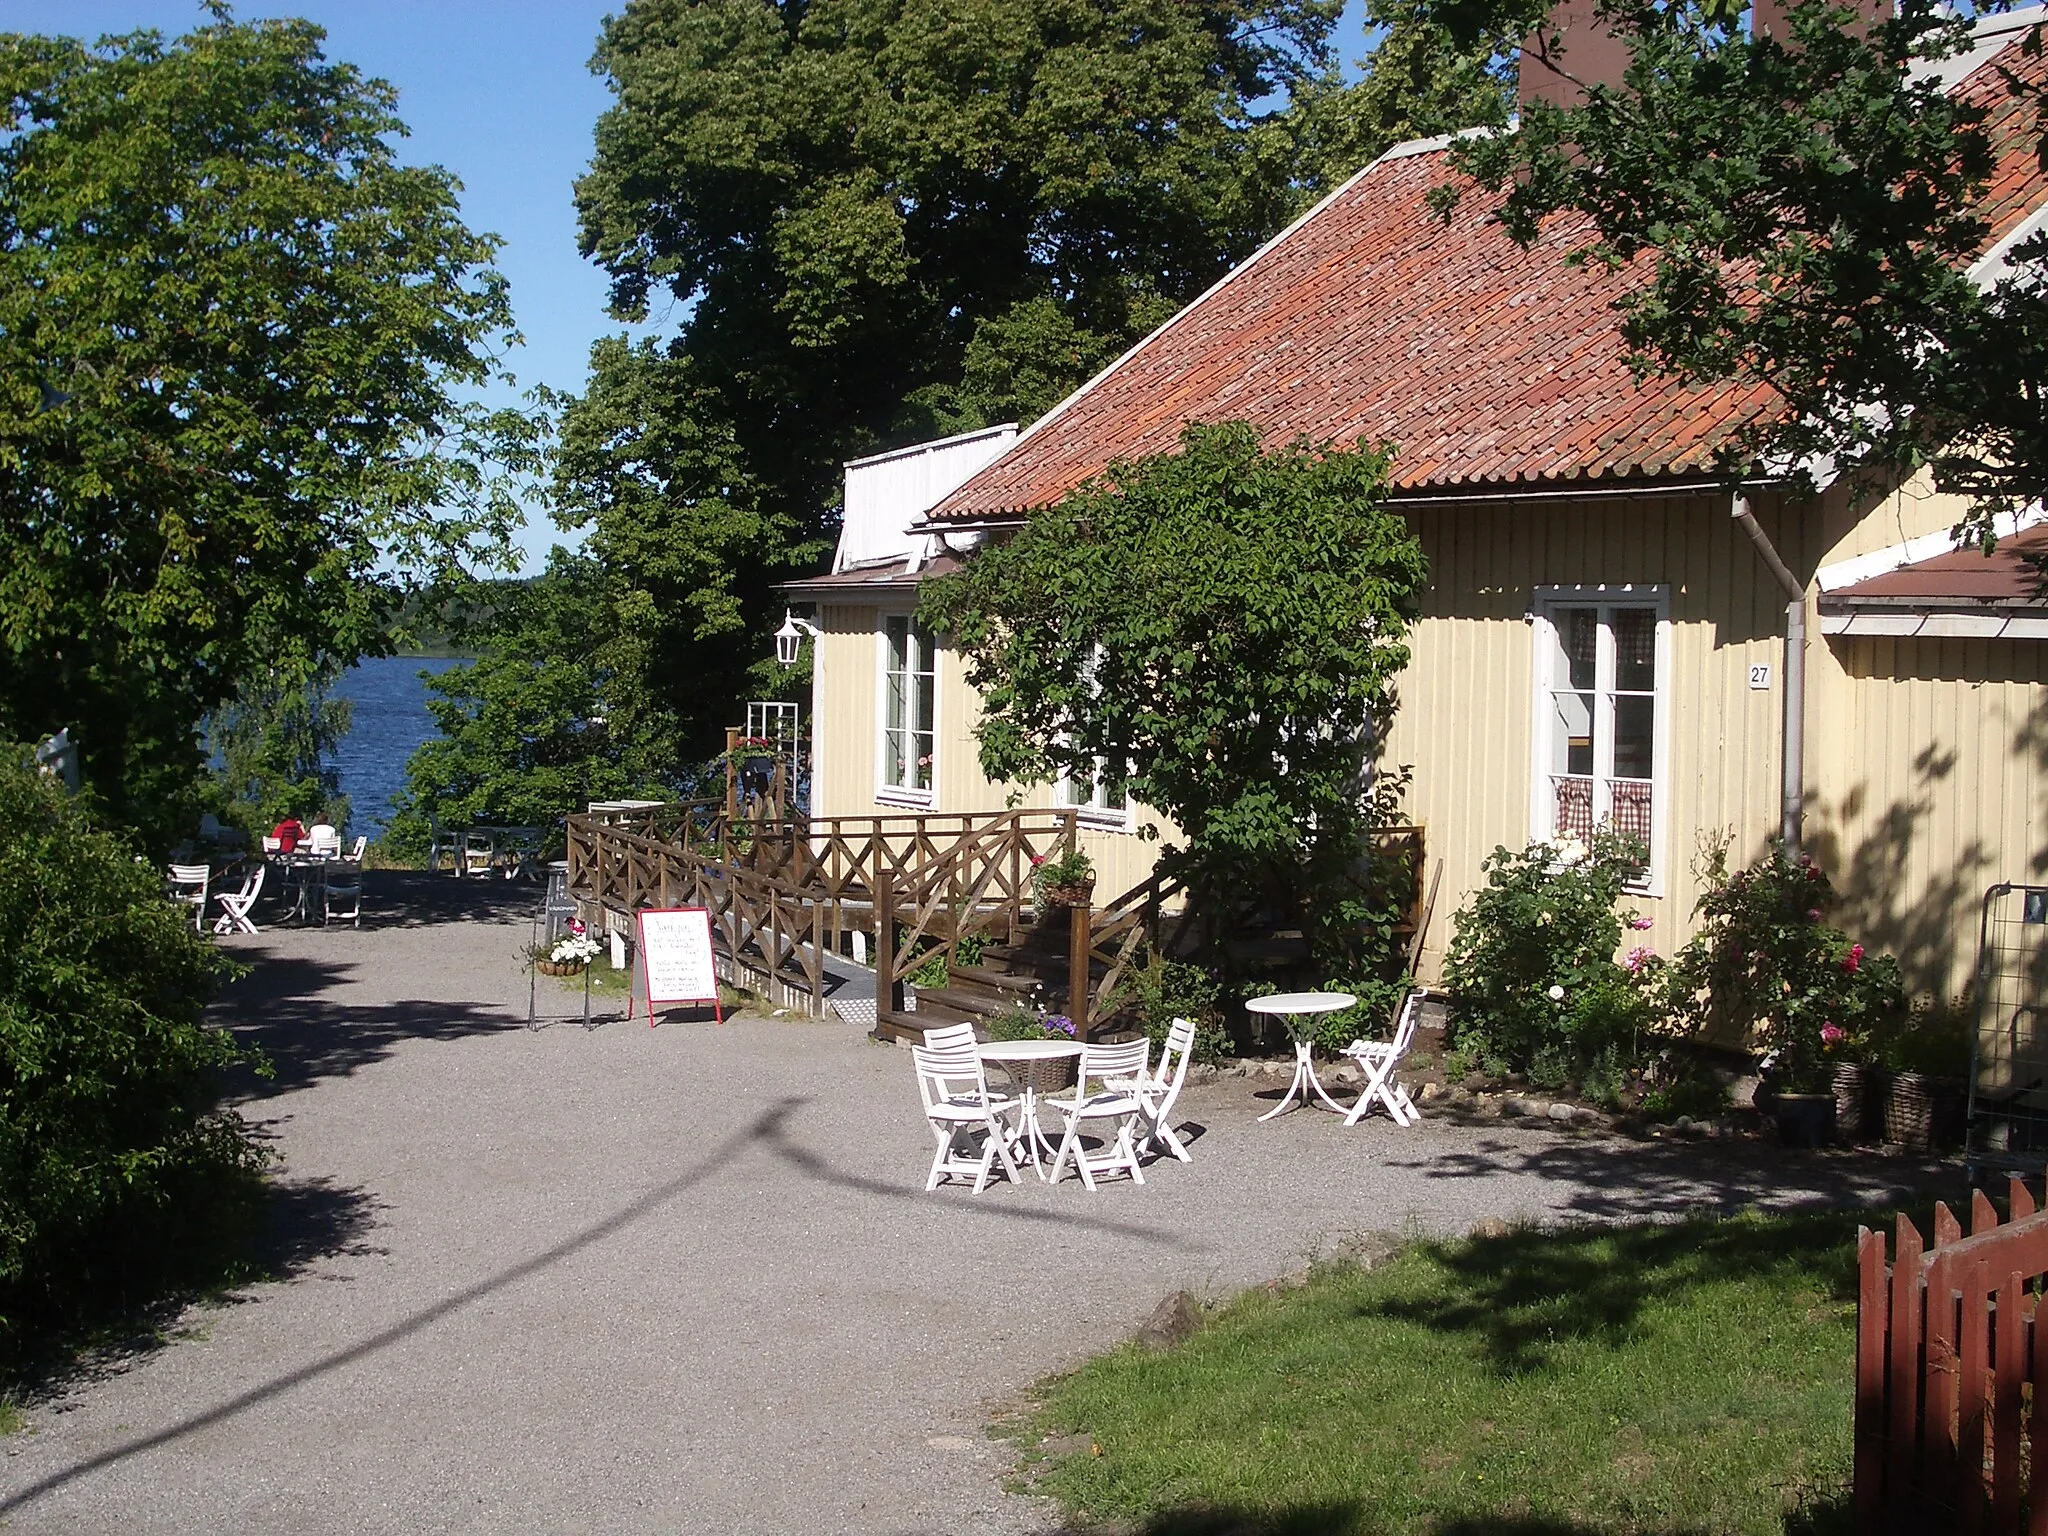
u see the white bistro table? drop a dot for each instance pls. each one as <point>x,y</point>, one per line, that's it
<point>1291,1008</point>
<point>1026,1054</point>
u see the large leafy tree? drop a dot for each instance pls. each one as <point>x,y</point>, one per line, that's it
<point>874,220</point>
<point>1185,624</point>
<point>235,336</point>
<point>1805,210</point>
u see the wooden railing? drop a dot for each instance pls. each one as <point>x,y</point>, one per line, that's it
<point>1952,1375</point>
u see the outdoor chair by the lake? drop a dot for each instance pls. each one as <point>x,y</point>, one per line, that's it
<point>187,884</point>
<point>235,906</point>
<point>1159,1090</point>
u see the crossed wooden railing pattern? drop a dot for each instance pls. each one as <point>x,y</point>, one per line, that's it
<point>787,889</point>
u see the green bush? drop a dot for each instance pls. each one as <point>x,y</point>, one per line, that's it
<point>107,1072</point>
<point>1531,970</point>
<point>1765,970</point>
<point>1162,990</point>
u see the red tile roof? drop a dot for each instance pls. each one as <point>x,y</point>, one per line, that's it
<point>1486,365</point>
<point>2006,578</point>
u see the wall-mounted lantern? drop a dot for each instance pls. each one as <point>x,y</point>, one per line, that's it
<point>790,638</point>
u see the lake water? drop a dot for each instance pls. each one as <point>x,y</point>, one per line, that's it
<point>391,719</point>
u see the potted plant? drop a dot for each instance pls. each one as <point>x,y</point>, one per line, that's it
<point>1928,1052</point>
<point>569,957</point>
<point>1765,967</point>
<point>1062,880</point>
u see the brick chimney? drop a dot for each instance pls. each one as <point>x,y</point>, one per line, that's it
<point>1768,18</point>
<point>1571,48</point>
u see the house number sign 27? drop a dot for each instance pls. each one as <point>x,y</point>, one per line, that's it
<point>1760,674</point>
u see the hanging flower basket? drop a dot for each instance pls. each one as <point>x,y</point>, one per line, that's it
<point>1080,893</point>
<point>561,967</point>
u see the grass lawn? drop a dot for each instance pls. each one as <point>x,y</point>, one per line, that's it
<point>1654,1379</point>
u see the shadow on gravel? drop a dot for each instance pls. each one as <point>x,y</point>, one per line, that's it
<point>407,898</point>
<point>284,1008</point>
<point>1631,1180</point>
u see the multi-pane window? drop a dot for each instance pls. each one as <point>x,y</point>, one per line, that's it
<point>1598,718</point>
<point>908,689</point>
<point>1094,792</point>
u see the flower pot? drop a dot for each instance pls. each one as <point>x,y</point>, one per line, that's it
<point>1922,1112</point>
<point>560,967</point>
<point>1859,1113</point>
<point>1052,1074</point>
<point>1080,894</point>
<point>1804,1119</point>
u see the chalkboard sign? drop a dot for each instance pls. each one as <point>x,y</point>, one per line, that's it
<point>675,956</point>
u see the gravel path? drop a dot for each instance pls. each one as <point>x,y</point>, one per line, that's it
<point>686,1278</point>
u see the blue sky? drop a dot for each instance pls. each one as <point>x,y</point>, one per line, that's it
<point>497,91</point>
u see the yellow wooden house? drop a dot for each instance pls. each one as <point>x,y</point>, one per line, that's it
<point>1605,634</point>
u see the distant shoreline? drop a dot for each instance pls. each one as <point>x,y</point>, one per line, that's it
<point>429,653</point>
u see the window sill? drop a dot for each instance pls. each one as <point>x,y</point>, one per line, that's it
<point>1103,821</point>
<point>891,795</point>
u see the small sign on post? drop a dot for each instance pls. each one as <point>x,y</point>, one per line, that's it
<point>675,950</point>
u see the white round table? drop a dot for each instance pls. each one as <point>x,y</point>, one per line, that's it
<point>1029,1134</point>
<point>1291,1006</point>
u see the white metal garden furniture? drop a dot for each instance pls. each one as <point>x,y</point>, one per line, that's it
<point>1292,1008</point>
<point>1031,1058</point>
<point>1114,1069</point>
<point>957,1103</point>
<point>186,884</point>
<point>235,906</point>
<point>1378,1058</point>
<point>1158,1090</point>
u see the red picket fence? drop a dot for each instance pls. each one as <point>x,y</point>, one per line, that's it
<point>1951,1423</point>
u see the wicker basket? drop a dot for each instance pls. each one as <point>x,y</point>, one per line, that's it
<point>561,967</point>
<point>1856,1116</point>
<point>1080,894</point>
<point>1045,1074</point>
<point>1922,1112</point>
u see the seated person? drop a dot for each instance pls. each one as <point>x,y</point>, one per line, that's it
<point>289,834</point>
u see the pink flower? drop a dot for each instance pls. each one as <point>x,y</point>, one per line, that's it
<point>1037,859</point>
<point>1813,915</point>
<point>1855,960</point>
<point>1831,1035</point>
<point>1638,957</point>
<point>1641,924</point>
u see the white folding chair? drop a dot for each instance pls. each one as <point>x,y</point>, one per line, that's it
<point>479,852</point>
<point>187,884</point>
<point>272,846</point>
<point>956,1103</point>
<point>950,1037</point>
<point>324,842</point>
<point>1378,1058</point>
<point>1158,1091</point>
<point>1116,1069</point>
<point>341,893</point>
<point>235,905</point>
<point>362,847</point>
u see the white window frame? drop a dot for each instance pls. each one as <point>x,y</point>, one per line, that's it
<point>1095,810</point>
<point>1543,627</point>
<point>887,793</point>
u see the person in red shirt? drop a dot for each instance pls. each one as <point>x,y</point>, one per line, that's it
<point>289,834</point>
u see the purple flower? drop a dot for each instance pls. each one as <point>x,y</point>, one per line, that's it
<point>1059,1024</point>
<point>1639,957</point>
<point>1641,924</point>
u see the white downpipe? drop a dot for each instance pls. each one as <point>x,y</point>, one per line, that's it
<point>1793,730</point>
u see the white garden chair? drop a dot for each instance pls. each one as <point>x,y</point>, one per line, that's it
<point>235,906</point>
<point>1158,1090</point>
<point>1378,1058</point>
<point>1116,1070</point>
<point>950,1037</point>
<point>362,847</point>
<point>186,884</point>
<point>957,1103</point>
<point>341,893</point>
<point>324,841</point>
<point>479,853</point>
